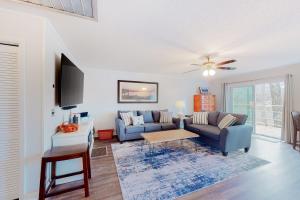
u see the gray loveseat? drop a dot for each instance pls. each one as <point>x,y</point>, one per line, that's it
<point>151,119</point>
<point>227,139</point>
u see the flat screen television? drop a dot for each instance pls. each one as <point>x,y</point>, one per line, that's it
<point>71,84</point>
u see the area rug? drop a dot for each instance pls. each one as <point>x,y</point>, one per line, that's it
<point>173,169</point>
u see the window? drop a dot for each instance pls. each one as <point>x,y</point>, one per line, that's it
<point>84,8</point>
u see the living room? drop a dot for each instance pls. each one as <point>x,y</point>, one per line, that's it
<point>237,143</point>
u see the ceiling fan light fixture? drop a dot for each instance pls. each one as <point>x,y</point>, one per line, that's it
<point>205,72</point>
<point>211,72</point>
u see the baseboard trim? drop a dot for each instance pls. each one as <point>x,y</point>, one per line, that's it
<point>31,196</point>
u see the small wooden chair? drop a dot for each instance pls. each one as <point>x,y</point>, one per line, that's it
<point>296,123</point>
<point>59,154</point>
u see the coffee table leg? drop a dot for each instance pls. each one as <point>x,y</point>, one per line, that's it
<point>195,144</point>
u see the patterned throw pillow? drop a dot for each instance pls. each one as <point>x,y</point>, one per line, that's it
<point>165,117</point>
<point>200,118</point>
<point>227,121</point>
<point>138,120</point>
<point>127,118</point>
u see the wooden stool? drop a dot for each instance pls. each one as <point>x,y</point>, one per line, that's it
<point>59,154</point>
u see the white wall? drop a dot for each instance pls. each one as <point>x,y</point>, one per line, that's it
<point>53,47</point>
<point>28,32</point>
<point>216,86</point>
<point>100,94</point>
<point>41,47</point>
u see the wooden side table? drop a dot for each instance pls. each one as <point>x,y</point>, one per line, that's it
<point>60,154</point>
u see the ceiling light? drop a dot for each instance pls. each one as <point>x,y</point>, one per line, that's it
<point>205,73</point>
<point>211,72</point>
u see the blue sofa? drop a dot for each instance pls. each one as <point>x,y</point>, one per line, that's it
<point>227,139</point>
<point>151,119</point>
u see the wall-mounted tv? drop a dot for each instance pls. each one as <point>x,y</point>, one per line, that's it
<point>71,84</point>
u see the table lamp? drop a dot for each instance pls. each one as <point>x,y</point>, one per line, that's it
<point>180,105</point>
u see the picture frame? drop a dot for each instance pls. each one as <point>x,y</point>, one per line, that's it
<point>137,92</point>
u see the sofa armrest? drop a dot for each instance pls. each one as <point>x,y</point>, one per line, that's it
<point>120,129</point>
<point>187,121</point>
<point>235,137</point>
<point>176,121</point>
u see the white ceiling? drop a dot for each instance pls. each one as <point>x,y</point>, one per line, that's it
<point>166,36</point>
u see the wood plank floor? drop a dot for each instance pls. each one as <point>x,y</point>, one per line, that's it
<point>279,180</point>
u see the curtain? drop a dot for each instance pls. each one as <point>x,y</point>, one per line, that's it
<point>226,96</point>
<point>287,128</point>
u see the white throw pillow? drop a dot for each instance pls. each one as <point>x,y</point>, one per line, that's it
<point>165,117</point>
<point>127,118</point>
<point>138,120</point>
<point>227,121</point>
<point>200,118</point>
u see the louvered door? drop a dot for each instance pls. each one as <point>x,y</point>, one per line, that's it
<point>10,121</point>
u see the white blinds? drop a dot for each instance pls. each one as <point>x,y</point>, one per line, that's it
<point>10,120</point>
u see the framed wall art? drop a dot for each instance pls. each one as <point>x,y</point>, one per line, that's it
<point>137,92</point>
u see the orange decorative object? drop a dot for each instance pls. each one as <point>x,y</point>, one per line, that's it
<point>106,134</point>
<point>67,128</point>
<point>204,103</point>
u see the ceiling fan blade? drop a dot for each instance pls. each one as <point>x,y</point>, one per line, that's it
<point>227,68</point>
<point>197,64</point>
<point>191,71</point>
<point>226,62</point>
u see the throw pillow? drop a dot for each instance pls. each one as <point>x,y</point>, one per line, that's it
<point>127,118</point>
<point>200,118</point>
<point>138,120</point>
<point>165,117</point>
<point>147,116</point>
<point>227,121</point>
<point>156,114</point>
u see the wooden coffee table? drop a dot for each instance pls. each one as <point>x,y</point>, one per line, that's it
<point>153,138</point>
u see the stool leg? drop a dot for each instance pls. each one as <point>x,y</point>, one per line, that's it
<point>42,180</point>
<point>89,164</point>
<point>53,172</point>
<point>85,175</point>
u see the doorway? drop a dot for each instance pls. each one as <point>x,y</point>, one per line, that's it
<point>262,102</point>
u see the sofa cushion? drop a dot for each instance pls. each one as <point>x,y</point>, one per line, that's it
<point>241,119</point>
<point>156,114</point>
<point>126,111</point>
<point>127,118</point>
<point>149,127</point>
<point>147,116</point>
<point>168,126</point>
<point>165,117</point>
<point>137,120</point>
<point>227,121</point>
<point>134,129</point>
<point>210,131</point>
<point>213,118</point>
<point>200,118</point>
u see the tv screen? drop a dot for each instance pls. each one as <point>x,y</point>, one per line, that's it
<point>71,84</point>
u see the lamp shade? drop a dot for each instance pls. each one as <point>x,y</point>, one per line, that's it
<point>180,104</point>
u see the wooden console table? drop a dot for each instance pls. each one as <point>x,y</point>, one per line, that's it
<point>84,135</point>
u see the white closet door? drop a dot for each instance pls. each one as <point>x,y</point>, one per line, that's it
<point>10,123</point>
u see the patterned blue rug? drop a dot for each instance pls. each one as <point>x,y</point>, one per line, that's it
<point>173,170</point>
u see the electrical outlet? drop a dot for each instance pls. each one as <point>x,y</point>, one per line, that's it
<point>52,112</point>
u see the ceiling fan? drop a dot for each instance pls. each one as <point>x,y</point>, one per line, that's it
<point>211,66</point>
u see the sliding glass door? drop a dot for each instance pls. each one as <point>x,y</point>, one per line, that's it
<point>242,101</point>
<point>263,103</point>
<point>269,108</point>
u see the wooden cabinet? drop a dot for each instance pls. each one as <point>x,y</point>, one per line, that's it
<point>204,103</point>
